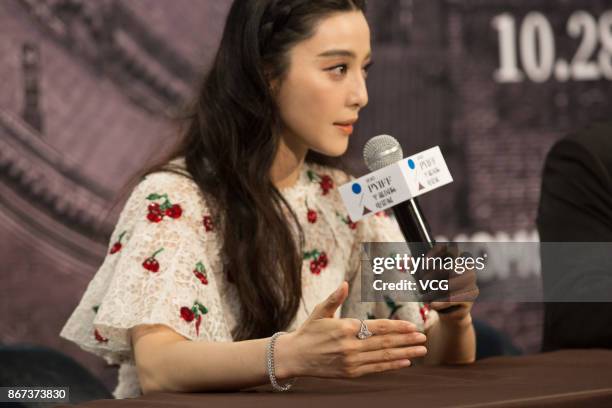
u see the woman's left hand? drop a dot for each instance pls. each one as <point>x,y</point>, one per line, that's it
<point>462,289</point>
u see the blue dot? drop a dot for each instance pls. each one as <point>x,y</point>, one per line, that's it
<point>356,188</point>
<point>411,164</point>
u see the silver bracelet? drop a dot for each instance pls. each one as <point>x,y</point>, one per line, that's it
<point>270,360</point>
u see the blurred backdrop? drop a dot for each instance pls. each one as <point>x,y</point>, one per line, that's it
<point>88,91</point>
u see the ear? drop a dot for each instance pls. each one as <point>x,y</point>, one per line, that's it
<point>273,84</point>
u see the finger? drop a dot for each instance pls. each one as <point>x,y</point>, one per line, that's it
<point>460,282</point>
<point>387,326</point>
<point>442,305</point>
<point>449,310</point>
<point>328,307</point>
<point>438,249</point>
<point>380,367</point>
<point>392,354</point>
<point>376,343</point>
<point>468,296</point>
<point>463,292</point>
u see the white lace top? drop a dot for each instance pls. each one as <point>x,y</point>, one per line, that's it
<point>163,267</point>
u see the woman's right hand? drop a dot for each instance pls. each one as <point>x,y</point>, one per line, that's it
<point>324,346</point>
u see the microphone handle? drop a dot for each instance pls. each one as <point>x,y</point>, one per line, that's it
<point>416,232</point>
<point>414,227</point>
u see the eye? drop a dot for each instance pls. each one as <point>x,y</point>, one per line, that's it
<point>366,69</point>
<point>336,69</point>
<point>342,69</point>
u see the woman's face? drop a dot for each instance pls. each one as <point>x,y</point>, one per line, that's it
<point>326,85</point>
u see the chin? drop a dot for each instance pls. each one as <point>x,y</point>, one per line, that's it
<point>332,151</point>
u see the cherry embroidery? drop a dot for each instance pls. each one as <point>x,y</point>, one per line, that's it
<point>195,312</point>
<point>393,307</point>
<point>99,337</point>
<point>424,311</point>
<point>200,273</point>
<point>151,263</point>
<point>157,212</point>
<point>325,182</point>
<point>117,245</point>
<point>311,214</point>
<point>208,223</point>
<point>318,260</point>
<point>347,220</point>
<point>175,211</point>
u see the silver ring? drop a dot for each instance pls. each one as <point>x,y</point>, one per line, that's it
<point>364,333</point>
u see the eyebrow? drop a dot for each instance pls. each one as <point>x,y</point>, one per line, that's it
<point>341,53</point>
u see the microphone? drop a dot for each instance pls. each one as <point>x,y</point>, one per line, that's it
<point>384,150</point>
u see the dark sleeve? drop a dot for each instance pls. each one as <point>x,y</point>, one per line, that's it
<point>576,207</point>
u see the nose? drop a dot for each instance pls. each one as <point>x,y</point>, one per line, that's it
<point>358,92</point>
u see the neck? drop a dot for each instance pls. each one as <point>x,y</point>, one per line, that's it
<point>288,163</point>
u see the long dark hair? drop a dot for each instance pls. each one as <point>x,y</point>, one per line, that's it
<point>229,142</point>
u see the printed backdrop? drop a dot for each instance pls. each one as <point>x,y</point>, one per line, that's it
<point>89,89</point>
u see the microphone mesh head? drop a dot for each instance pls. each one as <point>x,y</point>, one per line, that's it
<point>381,151</point>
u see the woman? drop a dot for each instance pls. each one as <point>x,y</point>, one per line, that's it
<point>244,234</point>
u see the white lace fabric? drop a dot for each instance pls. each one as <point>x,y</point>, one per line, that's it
<point>189,285</point>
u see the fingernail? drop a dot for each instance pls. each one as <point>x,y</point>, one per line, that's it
<point>405,363</point>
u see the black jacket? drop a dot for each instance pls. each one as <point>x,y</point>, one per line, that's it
<point>576,206</point>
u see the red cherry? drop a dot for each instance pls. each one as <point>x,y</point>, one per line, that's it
<point>187,314</point>
<point>326,184</point>
<point>116,248</point>
<point>314,267</point>
<point>424,310</point>
<point>208,224</point>
<point>351,224</point>
<point>201,277</point>
<point>312,216</point>
<point>99,337</point>
<point>151,264</point>
<point>322,260</point>
<point>154,208</point>
<point>175,211</point>
<point>155,217</point>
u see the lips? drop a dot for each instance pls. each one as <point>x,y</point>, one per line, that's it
<point>348,129</point>
<point>346,123</point>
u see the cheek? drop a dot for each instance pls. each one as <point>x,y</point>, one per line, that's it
<point>306,107</point>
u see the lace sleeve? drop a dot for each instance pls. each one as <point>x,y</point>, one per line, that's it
<point>156,271</point>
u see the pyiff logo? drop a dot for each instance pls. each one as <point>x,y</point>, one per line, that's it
<point>414,174</point>
<point>357,190</point>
